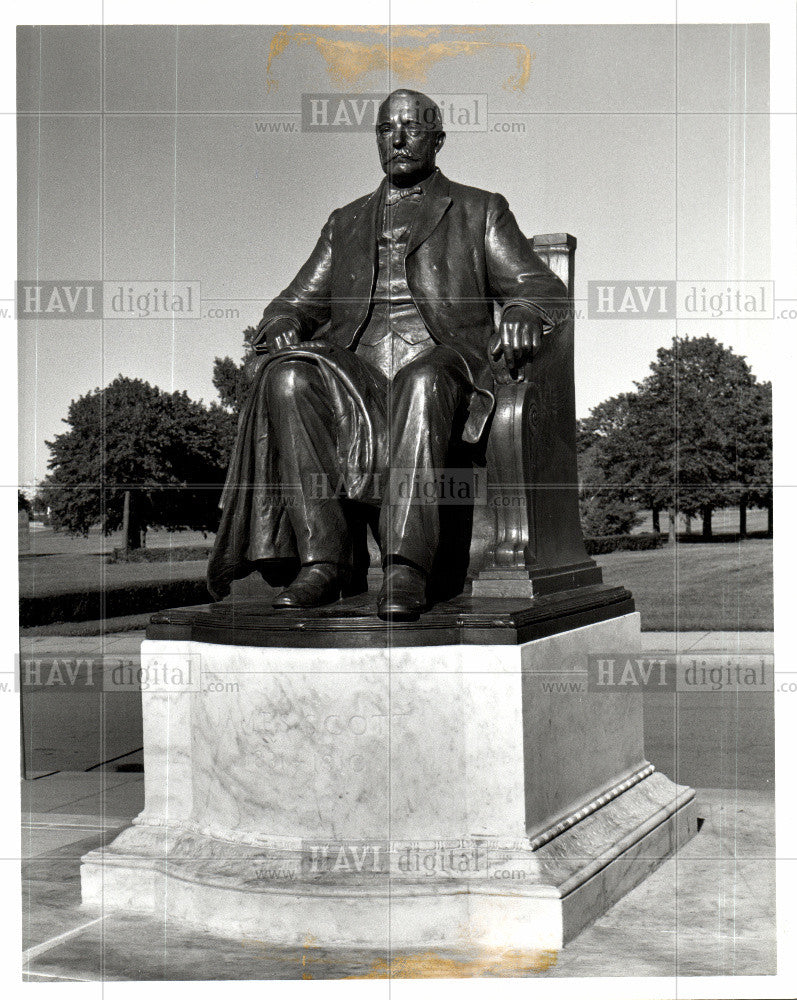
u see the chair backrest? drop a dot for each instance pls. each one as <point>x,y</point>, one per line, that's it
<point>558,250</point>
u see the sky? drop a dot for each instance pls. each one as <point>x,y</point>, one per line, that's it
<point>182,158</point>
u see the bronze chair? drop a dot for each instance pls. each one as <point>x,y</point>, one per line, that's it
<point>533,530</point>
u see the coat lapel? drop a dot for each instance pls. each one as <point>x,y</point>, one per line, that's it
<point>366,228</point>
<point>431,210</point>
<point>358,247</point>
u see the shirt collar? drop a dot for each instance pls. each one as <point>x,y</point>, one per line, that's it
<point>423,185</point>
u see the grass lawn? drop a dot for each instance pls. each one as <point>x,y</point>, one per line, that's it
<point>61,574</point>
<point>717,586</point>
<point>45,541</point>
<point>59,563</point>
<point>714,587</point>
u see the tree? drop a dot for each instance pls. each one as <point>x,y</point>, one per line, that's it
<point>607,505</point>
<point>754,452</point>
<point>696,435</point>
<point>232,381</point>
<point>23,503</point>
<point>623,457</point>
<point>604,509</point>
<point>39,506</point>
<point>139,457</point>
<point>690,413</point>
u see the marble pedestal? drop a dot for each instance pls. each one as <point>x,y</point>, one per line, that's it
<point>394,797</point>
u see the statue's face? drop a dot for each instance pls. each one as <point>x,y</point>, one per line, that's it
<point>408,139</point>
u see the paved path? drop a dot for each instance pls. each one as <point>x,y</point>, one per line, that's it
<point>709,642</point>
<point>708,912</point>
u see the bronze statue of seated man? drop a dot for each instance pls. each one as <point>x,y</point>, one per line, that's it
<point>379,355</point>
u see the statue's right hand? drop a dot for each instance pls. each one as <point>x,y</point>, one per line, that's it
<point>282,338</point>
<point>278,338</point>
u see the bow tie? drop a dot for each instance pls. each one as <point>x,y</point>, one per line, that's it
<point>395,195</point>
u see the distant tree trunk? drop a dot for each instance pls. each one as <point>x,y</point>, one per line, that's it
<point>131,530</point>
<point>688,523</point>
<point>742,519</point>
<point>769,518</point>
<point>707,522</point>
<point>656,522</point>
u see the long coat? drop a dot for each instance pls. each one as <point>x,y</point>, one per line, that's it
<point>465,253</point>
<point>254,529</point>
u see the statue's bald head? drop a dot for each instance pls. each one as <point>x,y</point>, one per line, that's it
<point>409,134</point>
<point>428,111</point>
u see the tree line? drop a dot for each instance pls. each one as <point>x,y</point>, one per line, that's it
<point>695,436</point>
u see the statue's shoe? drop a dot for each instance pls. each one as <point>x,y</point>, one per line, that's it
<point>316,584</point>
<point>403,594</point>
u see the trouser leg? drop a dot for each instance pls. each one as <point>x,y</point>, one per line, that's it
<point>426,397</point>
<point>303,426</point>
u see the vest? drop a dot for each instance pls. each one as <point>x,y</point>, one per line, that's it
<point>394,332</point>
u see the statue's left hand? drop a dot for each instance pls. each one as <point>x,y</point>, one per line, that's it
<point>519,334</point>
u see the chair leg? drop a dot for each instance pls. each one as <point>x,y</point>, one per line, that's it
<point>360,518</point>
